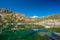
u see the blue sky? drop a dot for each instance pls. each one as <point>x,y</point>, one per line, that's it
<point>32,7</point>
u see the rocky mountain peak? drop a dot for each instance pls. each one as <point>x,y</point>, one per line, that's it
<point>3,11</point>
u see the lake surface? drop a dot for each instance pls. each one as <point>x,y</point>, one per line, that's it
<point>47,33</point>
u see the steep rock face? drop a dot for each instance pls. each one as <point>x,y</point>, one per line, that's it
<point>8,16</point>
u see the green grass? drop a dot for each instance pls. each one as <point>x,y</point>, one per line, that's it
<point>54,29</point>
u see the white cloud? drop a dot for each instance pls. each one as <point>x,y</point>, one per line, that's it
<point>34,17</point>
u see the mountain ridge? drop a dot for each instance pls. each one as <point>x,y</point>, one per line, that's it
<point>7,13</point>
<point>13,17</point>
